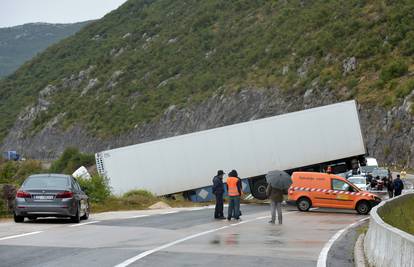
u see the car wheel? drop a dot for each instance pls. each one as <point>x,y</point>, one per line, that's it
<point>76,218</point>
<point>86,215</point>
<point>363,207</point>
<point>304,204</point>
<point>18,219</point>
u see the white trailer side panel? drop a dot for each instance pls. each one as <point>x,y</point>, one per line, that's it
<point>252,148</point>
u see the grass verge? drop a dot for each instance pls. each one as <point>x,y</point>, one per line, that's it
<point>400,214</point>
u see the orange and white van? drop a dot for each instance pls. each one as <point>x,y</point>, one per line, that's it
<point>314,189</point>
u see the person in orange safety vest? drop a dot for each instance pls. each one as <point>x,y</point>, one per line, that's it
<point>234,190</point>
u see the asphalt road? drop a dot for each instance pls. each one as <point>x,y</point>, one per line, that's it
<point>173,237</point>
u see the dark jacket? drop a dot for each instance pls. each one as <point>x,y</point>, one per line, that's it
<point>218,187</point>
<point>274,194</point>
<point>398,185</point>
<point>390,185</point>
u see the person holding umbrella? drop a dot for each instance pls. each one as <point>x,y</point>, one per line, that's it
<point>278,181</point>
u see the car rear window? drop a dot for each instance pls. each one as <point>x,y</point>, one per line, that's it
<point>49,182</point>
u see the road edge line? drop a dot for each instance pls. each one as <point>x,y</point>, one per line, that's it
<point>323,255</point>
<point>21,235</point>
<point>85,223</point>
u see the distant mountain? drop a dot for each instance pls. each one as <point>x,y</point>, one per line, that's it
<point>20,43</point>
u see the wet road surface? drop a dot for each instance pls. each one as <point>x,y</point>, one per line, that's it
<point>174,237</point>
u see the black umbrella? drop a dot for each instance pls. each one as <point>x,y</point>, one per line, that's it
<point>279,179</point>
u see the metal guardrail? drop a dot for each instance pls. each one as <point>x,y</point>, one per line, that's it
<point>385,245</point>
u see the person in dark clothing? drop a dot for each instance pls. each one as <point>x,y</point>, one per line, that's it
<point>218,191</point>
<point>390,187</point>
<point>373,183</point>
<point>389,184</point>
<point>398,186</point>
<point>234,191</point>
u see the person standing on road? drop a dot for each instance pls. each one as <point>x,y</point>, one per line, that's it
<point>398,186</point>
<point>234,190</point>
<point>390,185</point>
<point>218,191</point>
<point>276,198</point>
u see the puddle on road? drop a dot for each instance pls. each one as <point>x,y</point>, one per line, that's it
<point>274,236</point>
<point>227,240</point>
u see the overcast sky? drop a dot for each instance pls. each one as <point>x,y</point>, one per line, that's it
<point>17,12</point>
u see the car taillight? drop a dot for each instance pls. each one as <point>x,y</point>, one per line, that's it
<point>66,194</point>
<point>22,194</point>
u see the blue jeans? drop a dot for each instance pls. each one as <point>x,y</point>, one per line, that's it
<point>234,207</point>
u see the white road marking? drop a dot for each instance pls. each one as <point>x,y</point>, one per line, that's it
<point>170,212</point>
<point>151,251</point>
<point>138,216</point>
<point>323,256</point>
<point>80,224</point>
<point>195,209</point>
<point>311,209</point>
<point>21,235</point>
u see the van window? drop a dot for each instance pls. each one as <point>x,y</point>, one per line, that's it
<point>340,185</point>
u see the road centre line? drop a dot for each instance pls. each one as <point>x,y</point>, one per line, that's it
<point>154,250</point>
<point>323,255</point>
<point>81,224</point>
<point>21,235</point>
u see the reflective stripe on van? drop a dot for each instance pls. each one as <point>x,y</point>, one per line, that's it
<point>307,189</point>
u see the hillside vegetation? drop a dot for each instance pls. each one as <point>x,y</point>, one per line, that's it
<point>20,43</point>
<point>129,67</point>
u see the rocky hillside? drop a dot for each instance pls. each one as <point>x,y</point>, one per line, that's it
<point>154,69</point>
<point>20,43</point>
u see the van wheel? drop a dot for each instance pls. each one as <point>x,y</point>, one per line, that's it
<point>363,207</point>
<point>304,204</point>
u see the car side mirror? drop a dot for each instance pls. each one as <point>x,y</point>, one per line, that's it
<point>351,189</point>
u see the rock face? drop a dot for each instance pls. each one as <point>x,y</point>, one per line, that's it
<point>389,138</point>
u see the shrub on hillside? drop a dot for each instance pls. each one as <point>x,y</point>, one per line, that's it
<point>97,188</point>
<point>70,160</point>
<point>141,197</point>
<point>393,70</point>
<point>15,172</point>
<point>7,171</point>
<point>405,89</point>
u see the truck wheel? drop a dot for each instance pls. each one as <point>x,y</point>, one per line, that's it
<point>304,204</point>
<point>259,189</point>
<point>363,207</point>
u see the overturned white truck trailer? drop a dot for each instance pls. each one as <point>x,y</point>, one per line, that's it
<point>306,140</point>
